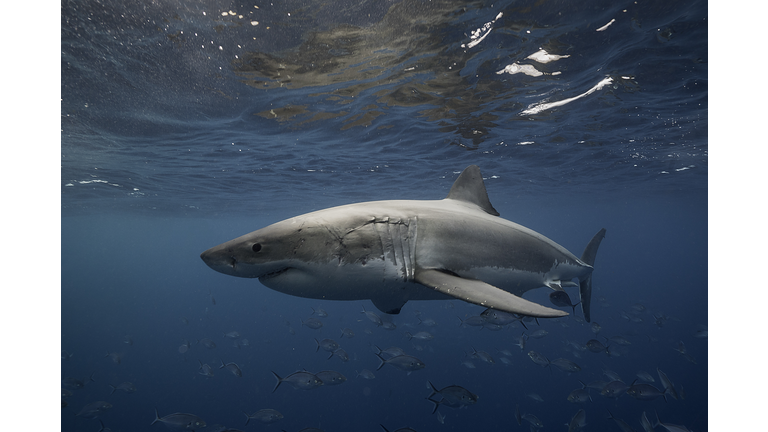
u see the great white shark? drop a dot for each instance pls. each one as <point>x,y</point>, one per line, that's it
<point>394,251</point>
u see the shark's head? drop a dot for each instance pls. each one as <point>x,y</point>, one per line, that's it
<point>267,253</point>
<point>253,255</point>
<point>287,256</point>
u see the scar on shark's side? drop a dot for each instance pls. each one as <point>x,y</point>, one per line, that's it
<point>395,251</point>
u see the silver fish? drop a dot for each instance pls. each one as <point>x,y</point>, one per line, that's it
<point>452,396</point>
<point>405,429</point>
<point>670,427</point>
<point>184,421</point>
<point>482,355</point>
<point>668,386</point>
<point>205,369</point>
<point>264,415</point>
<point>312,323</point>
<point>561,298</point>
<point>340,353</point>
<point>498,317</point>
<point>645,376</point>
<point>403,362</point>
<point>126,387</point>
<point>533,420</point>
<point>330,377</point>
<point>577,347</point>
<point>365,373</point>
<point>372,316</point>
<point>440,418</point>
<point>621,423</point>
<point>116,357</point>
<point>390,352</point>
<point>614,389</point>
<point>429,322</point>
<point>647,427</point>
<point>94,409</point>
<point>207,343</point>
<point>611,375</point>
<point>538,358</point>
<point>328,345</point>
<point>422,335</point>
<point>232,367</point>
<point>521,341</point>
<point>565,365</point>
<point>596,346</point>
<point>302,380</point>
<point>644,391</point>
<point>535,396</point>
<point>579,396</point>
<point>75,383</point>
<point>578,421</point>
<point>473,321</point>
<point>620,340</point>
<point>595,327</point>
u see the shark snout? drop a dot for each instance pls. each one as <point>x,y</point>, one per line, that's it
<point>220,260</point>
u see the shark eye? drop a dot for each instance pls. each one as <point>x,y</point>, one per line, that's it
<point>256,247</point>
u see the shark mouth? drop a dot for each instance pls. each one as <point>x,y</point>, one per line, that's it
<point>274,274</point>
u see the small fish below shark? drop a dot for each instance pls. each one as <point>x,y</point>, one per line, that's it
<point>394,251</point>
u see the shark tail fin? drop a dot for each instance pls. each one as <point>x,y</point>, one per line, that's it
<point>585,285</point>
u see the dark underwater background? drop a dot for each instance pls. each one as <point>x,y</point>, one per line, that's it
<point>186,124</point>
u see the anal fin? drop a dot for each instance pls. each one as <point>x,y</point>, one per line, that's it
<point>483,294</point>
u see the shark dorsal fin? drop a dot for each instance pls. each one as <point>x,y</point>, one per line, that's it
<point>469,187</point>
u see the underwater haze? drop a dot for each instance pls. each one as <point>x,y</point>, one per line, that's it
<point>187,124</point>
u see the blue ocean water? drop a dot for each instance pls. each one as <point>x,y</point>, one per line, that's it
<point>186,125</point>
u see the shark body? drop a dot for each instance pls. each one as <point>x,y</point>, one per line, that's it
<point>394,251</point>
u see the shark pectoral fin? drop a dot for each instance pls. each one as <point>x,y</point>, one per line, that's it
<point>389,305</point>
<point>483,294</point>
